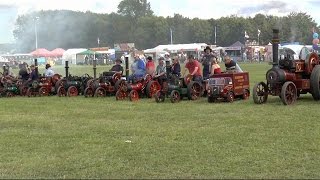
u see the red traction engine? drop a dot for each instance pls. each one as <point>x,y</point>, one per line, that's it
<point>289,78</point>
<point>142,87</point>
<point>44,86</point>
<point>107,83</point>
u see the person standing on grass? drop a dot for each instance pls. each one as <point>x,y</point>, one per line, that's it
<point>207,61</point>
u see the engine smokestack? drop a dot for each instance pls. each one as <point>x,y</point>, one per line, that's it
<point>36,66</point>
<point>127,67</point>
<point>67,68</point>
<point>275,47</point>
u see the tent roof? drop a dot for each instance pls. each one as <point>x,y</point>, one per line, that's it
<point>42,53</point>
<point>88,52</point>
<point>58,52</point>
<point>237,44</point>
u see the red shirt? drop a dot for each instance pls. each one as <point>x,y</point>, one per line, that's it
<point>150,66</point>
<point>191,67</point>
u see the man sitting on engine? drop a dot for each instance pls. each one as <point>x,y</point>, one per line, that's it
<point>231,66</point>
<point>117,68</point>
<point>193,66</point>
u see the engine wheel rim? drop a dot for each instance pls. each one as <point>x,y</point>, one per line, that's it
<point>289,93</point>
<point>72,91</point>
<point>100,92</point>
<point>134,96</point>
<point>195,91</point>
<point>61,92</point>
<point>154,88</point>
<point>88,92</point>
<point>120,95</point>
<point>175,96</point>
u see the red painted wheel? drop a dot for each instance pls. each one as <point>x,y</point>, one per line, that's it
<point>194,90</point>
<point>311,61</point>
<point>88,92</point>
<point>152,88</point>
<point>61,92</point>
<point>100,92</point>
<point>72,91</point>
<point>121,95</point>
<point>133,95</point>
<point>175,96</point>
<point>43,92</point>
<point>246,94</point>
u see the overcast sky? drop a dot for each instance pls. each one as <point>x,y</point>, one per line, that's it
<point>204,9</point>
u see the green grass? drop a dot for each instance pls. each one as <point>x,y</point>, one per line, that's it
<point>52,137</point>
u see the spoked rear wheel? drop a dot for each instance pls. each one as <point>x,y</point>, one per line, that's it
<point>100,92</point>
<point>194,90</point>
<point>260,93</point>
<point>88,92</point>
<point>61,91</point>
<point>288,93</point>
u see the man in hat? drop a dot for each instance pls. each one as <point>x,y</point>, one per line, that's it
<point>207,61</point>
<point>117,67</point>
<point>49,72</point>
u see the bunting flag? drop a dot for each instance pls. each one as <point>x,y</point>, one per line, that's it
<point>245,34</point>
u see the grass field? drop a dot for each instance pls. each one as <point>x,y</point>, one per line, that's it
<point>52,137</point>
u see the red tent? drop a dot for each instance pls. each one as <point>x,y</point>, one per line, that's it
<point>41,53</point>
<point>58,52</point>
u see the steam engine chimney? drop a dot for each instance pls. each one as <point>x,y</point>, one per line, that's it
<point>127,67</point>
<point>67,68</point>
<point>275,47</point>
<point>36,66</point>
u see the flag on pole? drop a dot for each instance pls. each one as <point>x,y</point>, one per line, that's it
<point>259,32</point>
<point>245,34</point>
<point>98,40</point>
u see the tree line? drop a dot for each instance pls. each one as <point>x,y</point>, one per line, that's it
<point>135,22</point>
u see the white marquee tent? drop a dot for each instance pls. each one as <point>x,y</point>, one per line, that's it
<point>71,55</point>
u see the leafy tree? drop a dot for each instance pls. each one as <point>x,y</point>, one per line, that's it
<point>135,8</point>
